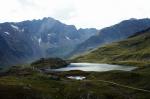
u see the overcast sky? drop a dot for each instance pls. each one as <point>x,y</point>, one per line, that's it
<point>82,13</point>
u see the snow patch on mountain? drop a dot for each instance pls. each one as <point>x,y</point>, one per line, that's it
<point>49,34</point>
<point>68,38</point>
<point>7,33</point>
<point>15,27</point>
<point>39,40</point>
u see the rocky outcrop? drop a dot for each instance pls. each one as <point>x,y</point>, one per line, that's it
<point>49,63</point>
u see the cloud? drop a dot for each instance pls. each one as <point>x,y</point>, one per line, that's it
<point>65,13</point>
<point>82,13</point>
<point>26,2</point>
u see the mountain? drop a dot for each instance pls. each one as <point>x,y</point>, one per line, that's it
<point>114,33</point>
<point>29,40</point>
<point>133,51</point>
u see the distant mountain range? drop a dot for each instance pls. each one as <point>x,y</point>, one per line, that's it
<point>29,40</point>
<point>26,41</point>
<point>113,33</point>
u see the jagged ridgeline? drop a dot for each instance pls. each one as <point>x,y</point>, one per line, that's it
<point>26,41</point>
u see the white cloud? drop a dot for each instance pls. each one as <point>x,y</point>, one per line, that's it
<point>82,13</point>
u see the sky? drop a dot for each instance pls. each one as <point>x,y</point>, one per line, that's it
<point>81,13</point>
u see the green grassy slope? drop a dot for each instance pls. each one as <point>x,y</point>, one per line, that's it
<point>133,51</point>
<point>36,85</point>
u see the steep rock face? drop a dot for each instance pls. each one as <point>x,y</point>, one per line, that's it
<point>16,45</point>
<point>114,33</point>
<point>28,40</point>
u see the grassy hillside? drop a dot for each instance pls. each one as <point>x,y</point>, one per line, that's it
<point>133,51</point>
<point>25,83</point>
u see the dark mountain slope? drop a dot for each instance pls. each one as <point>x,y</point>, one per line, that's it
<point>114,33</point>
<point>29,40</point>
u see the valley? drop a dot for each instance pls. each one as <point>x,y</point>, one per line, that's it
<point>74,49</point>
<point>109,64</point>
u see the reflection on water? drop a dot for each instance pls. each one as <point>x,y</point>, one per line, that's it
<point>76,77</point>
<point>94,67</point>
